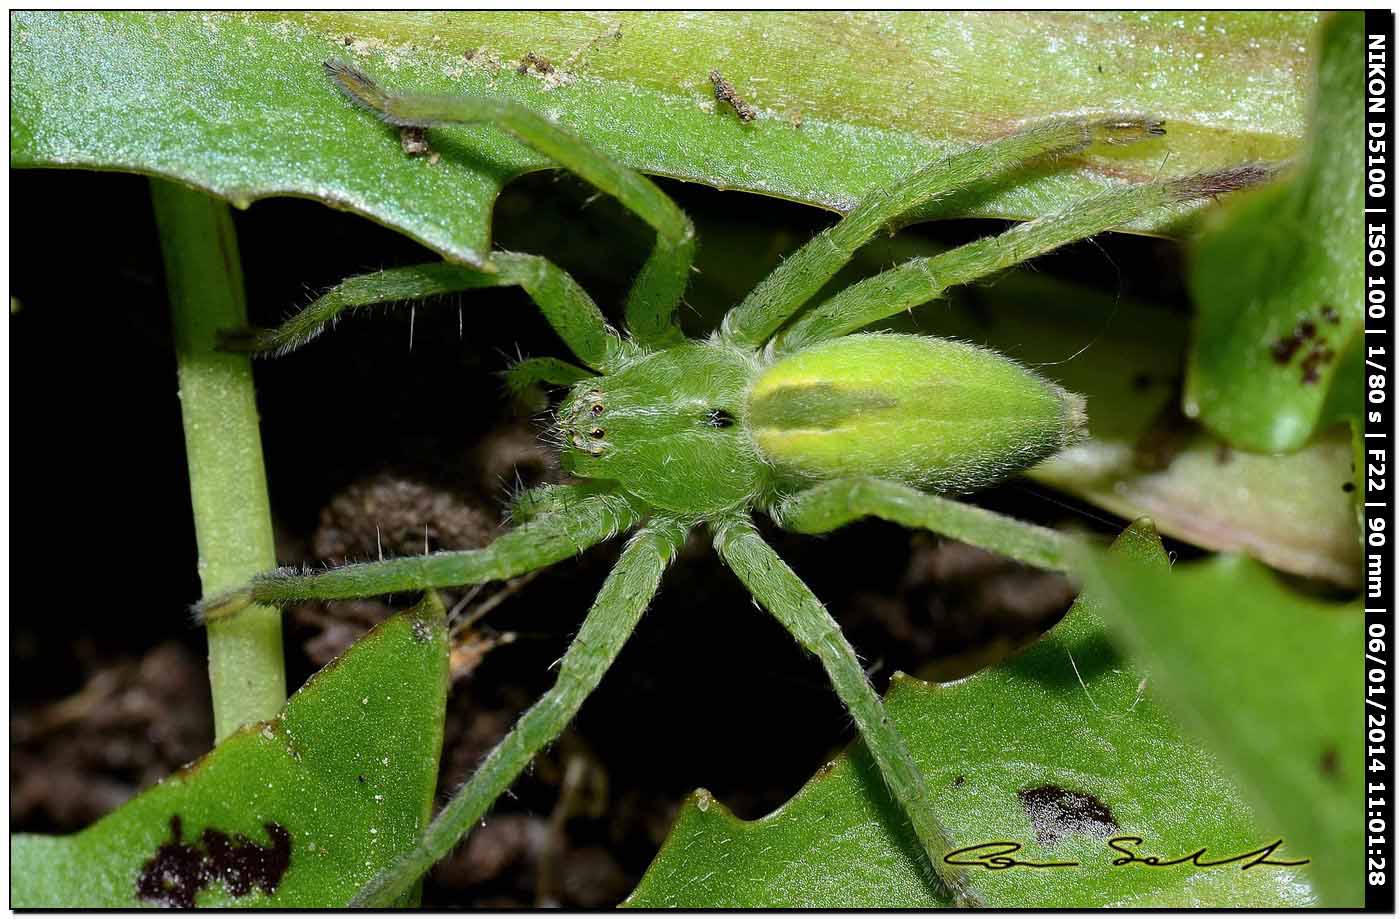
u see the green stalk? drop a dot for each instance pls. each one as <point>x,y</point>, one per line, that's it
<point>228,488</point>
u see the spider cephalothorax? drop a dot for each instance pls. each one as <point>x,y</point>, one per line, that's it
<point>668,428</point>
<point>787,409</point>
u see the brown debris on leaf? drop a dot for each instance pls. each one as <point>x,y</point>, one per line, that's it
<point>414,141</point>
<point>725,92</point>
<point>536,62</point>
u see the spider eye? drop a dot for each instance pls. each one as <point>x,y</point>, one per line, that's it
<point>597,409</point>
<point>596,432</point>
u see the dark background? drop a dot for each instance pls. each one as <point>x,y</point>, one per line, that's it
<point>107,685</point>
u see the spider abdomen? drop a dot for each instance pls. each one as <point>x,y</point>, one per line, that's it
<point>930,412</point>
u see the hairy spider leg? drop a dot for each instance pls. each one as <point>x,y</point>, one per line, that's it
<point>655,294</point>
<point>834,504</point>
<point>565,305</point>
<point>523,375</point>
<point>922,279</point>
<point>615,613</point>
<point>391,285</point>
<point>778,588</point>
<point>802,274</point>
<point>565,530</point>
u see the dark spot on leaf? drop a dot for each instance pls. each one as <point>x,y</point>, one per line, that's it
<point>719,418</point>
<point>1057,812</point>
<point>1313,363</point>
<point>1348,487</point>
<point>1328,763</point>
<point>361,779</point>
<point>1282,351</point>
<point>1287,347</point>
<point>959,782</point>
<point>1330,314</point>
<point>180,870</point>
<point>1141,381</point>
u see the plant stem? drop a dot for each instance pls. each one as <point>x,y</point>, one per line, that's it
<point>228,488</point>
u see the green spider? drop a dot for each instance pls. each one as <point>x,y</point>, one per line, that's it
<point>780,410</point>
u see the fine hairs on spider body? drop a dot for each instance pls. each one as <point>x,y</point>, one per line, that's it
<point>786,409</point>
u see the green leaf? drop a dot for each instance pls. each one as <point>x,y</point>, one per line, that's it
<point>1278,284</point>
<point>1057,749</point>
<point>310,804</point>
<point>1272,681</point>
<point>235,103</point>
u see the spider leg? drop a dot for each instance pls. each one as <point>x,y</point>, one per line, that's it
<point>567,307</point>
<point>781,591</point>
<point>413,282</point>
<point>798,279</point>
<point>544,500</point>
<point>834,504</point>
<point>615,613</point>
<point>922,279</point>
<point>542,540</point>
<point>656,292</point>
<point>524,375</point>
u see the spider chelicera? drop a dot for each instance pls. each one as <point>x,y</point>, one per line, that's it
<point>790,412</point>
